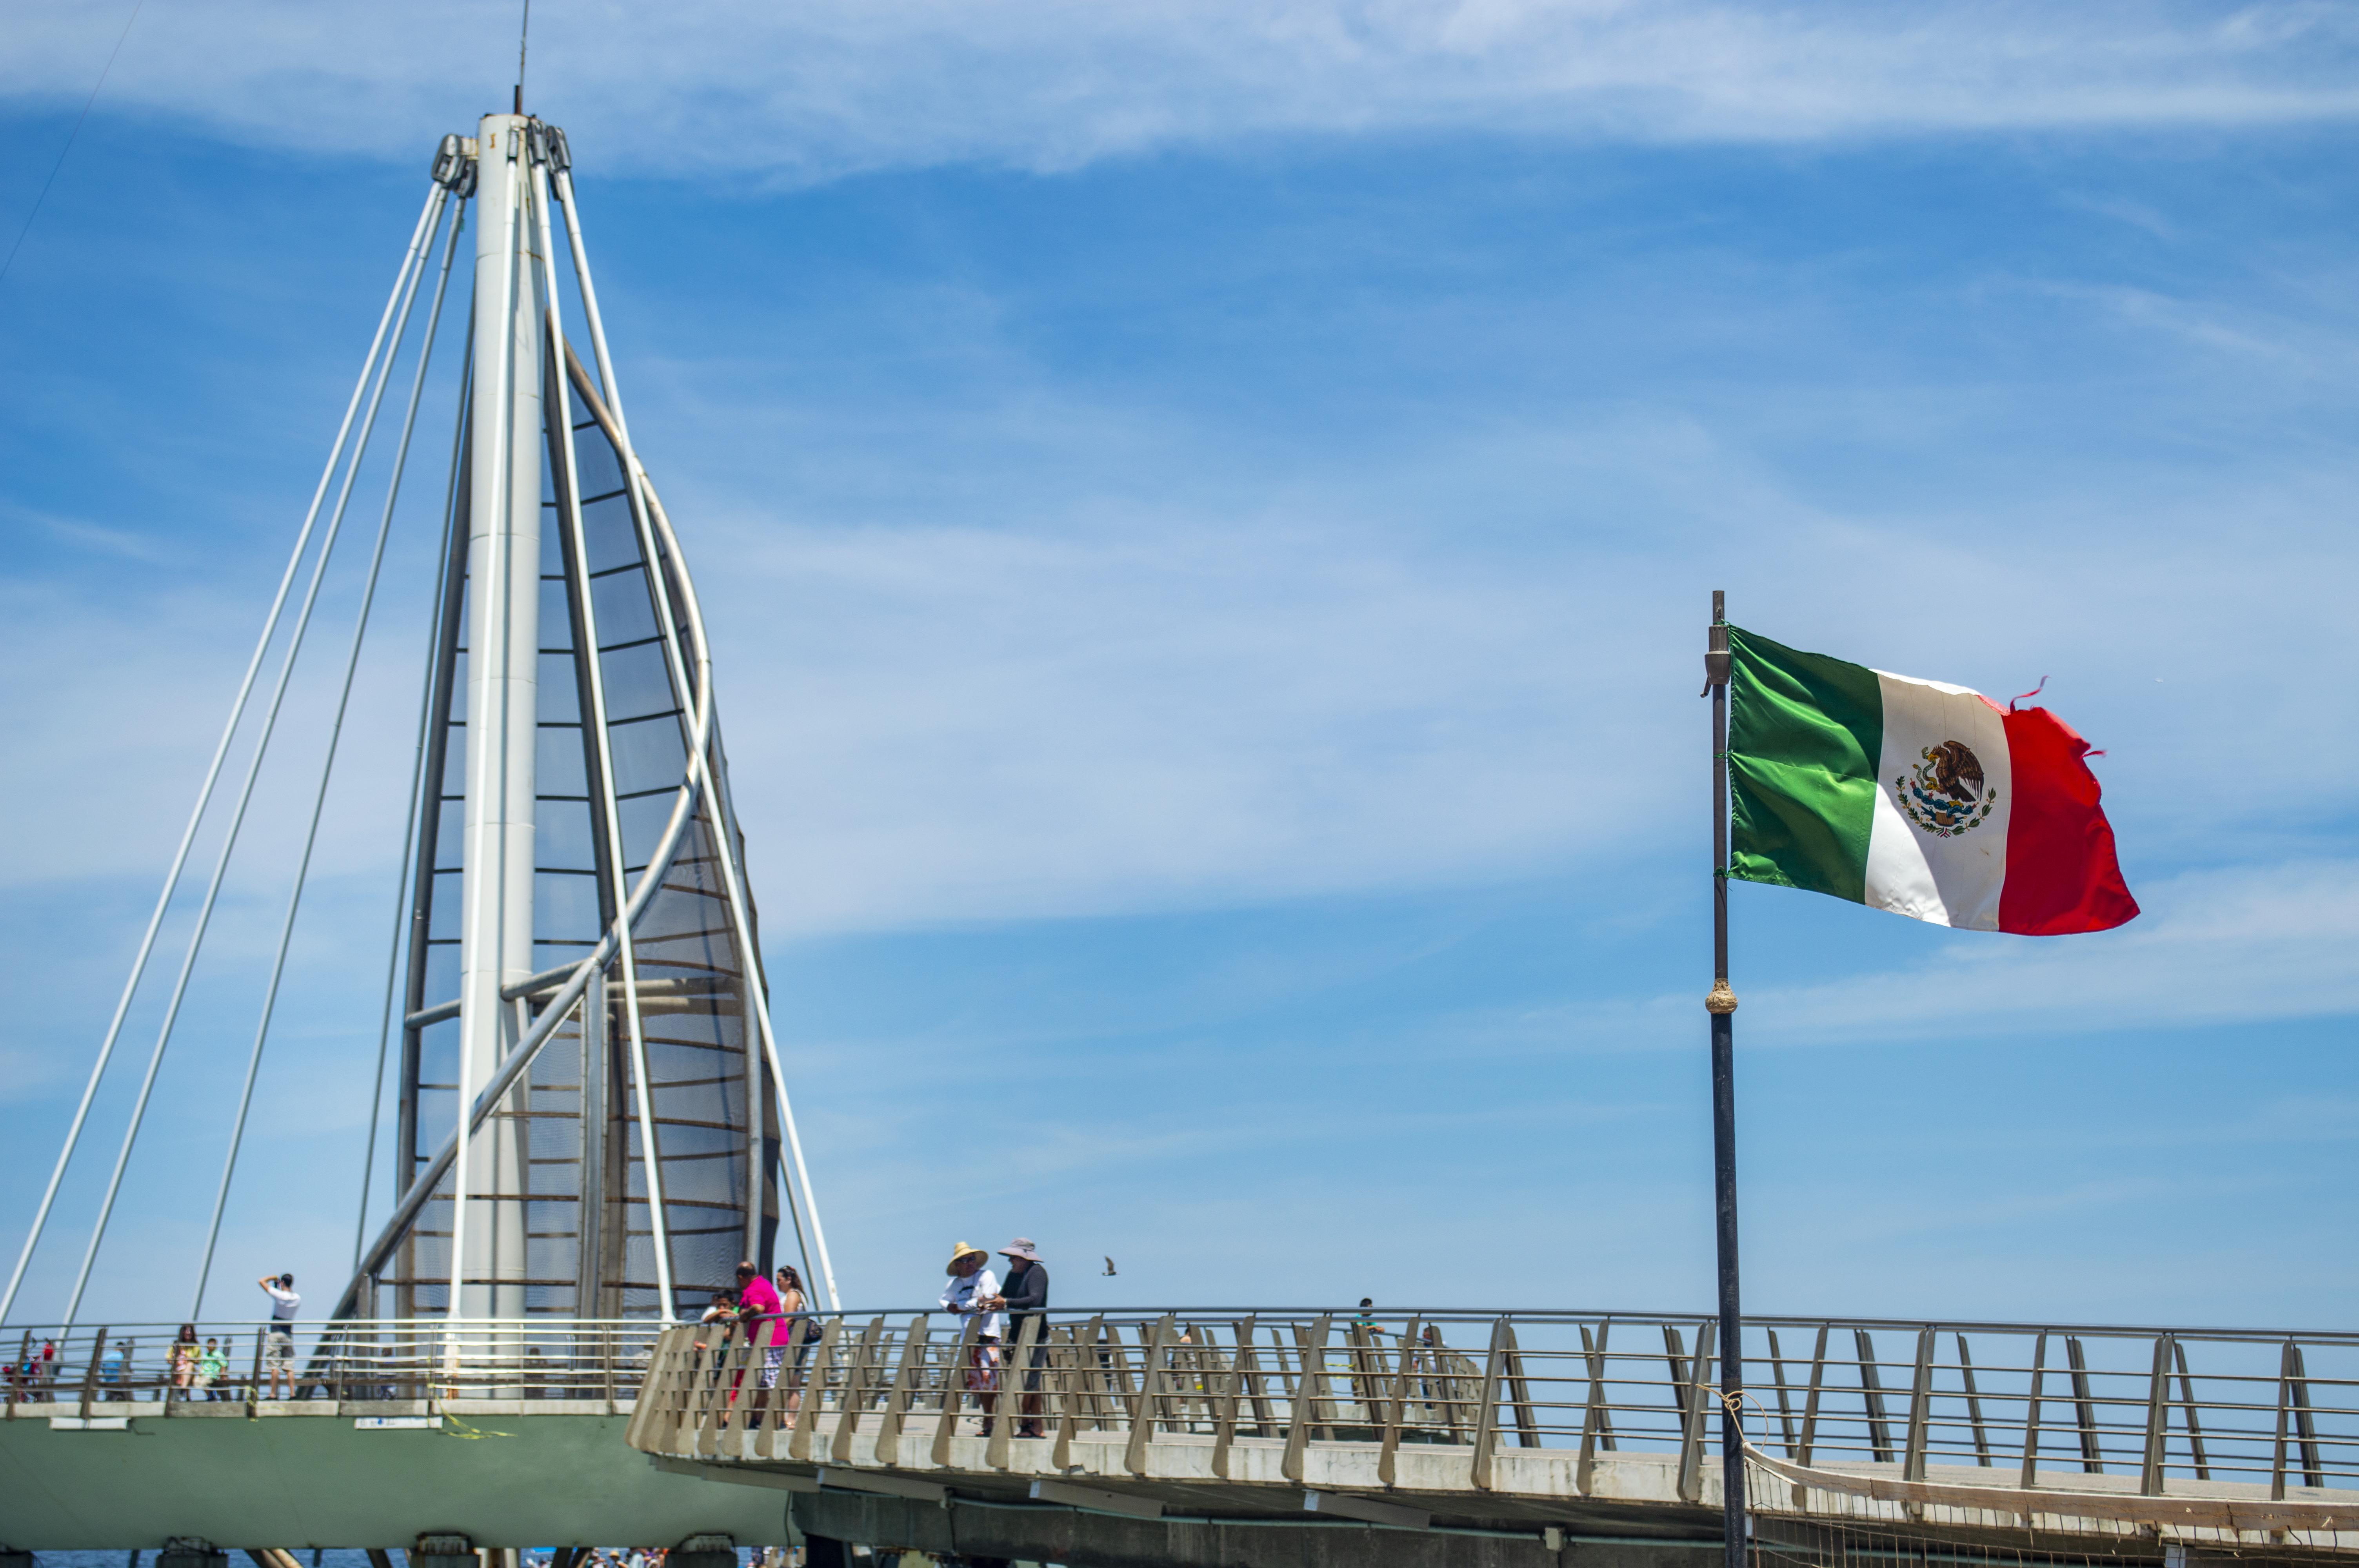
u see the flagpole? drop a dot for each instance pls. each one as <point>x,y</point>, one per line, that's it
<point>1721,1005</point>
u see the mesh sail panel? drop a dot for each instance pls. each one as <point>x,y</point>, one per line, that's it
<point>663,1059</point>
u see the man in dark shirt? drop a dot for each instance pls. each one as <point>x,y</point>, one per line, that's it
<point>1025,1294</point>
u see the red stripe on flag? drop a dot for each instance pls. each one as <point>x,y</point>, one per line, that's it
<point>2062,874</point>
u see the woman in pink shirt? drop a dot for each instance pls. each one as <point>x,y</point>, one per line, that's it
<point>757,1312</point>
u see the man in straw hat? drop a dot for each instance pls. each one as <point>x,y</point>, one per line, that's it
<point>1025,1296</point>
<point>973,1291</point>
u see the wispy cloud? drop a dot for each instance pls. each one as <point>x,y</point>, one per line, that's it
<point>2251,943</point>
<point>842,84</point>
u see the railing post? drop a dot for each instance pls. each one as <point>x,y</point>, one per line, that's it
<point>855,1390</point>
<point>1973,1405</point>
<point>1777,1376</point>
<point>1920,1407</point>
<point>822,1357</point>
<point>1232,1397</point>
<point>1302,1409</point>
<point>1596,1421</point>
<point>954,1388</point>
<point>1146,1407</point>
<point>1810,1403</point>
<point>896,1404</point>
<point>1871,1396</point>
<point>2285,1407</point>
<point>1487,1410</point>
<point>1074,1390</point>
<point>1696,1395</point>
<point>2187,1408</point>
<point>2085,1407</point>
<point>1012,1377</point>
<point>652,1404</point>
<point>1232,1394</point>
<point>2157,1419</point>
<point>2032,1413</point>
<point>2313,1473</point>
<point>712,1399</point>
<point>90,1378</point>
<point>1252,1380</point>
<point>1519,1393</point>
<point>1397,1407</point>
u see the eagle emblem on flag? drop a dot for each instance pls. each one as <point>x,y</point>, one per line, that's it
<point>1945,794</point>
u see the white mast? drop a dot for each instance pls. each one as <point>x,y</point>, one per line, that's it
<point>503,708</point>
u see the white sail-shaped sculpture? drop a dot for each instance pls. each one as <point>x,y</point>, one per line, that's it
<point>581,963</point>
<point>590,1120</point>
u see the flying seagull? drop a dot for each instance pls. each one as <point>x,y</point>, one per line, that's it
<point>1109,1263</point>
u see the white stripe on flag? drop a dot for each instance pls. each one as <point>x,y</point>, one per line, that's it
<point>1939,853</point>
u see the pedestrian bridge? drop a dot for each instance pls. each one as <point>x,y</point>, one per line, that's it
<point>1207,1436</point>
<point>1170,1438</point>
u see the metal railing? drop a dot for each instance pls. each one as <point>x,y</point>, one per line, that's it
<point>350,1362</point>
<point>2040,1403</point>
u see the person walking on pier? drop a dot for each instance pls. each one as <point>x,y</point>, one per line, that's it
<point>972,1293</point>
<point>278,1350</point>
<point>1026,1297</point>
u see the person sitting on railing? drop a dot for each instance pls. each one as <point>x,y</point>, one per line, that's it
<point>971,1291</point>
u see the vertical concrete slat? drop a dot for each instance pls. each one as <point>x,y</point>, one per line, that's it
<point>905,1382</point>
<point>1486,1410</point>
<point>2157,1419</point>
<point>954,1388</point>
<point>1920,1407</point>
<point>1397,1407</point>
<point>855,1390</point>
<point>2031,1413</point>
<point>1011,1387</point>
<point>814,1390</point>
<point>1973,1404</point>
<point>1145,1408</point>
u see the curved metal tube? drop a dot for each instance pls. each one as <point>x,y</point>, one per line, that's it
<point>659,866</point>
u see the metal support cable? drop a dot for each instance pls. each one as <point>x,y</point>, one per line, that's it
<point>411,257</point>
<point>335,736</point>
<point>416,784</point>
<point>643,1101</point>
<point>644,504</point>
<point>244,799</point>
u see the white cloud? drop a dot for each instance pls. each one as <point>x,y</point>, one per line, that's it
<point>2249,945</point>
<point>820,88</point>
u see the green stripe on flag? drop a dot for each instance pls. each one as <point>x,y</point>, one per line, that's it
<point>1804,735</point>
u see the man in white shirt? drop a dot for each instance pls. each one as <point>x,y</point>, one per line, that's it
<point>973,1291</point>
<point>278,1346</point>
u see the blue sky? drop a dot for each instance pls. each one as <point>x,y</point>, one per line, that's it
<point>1207,516</point>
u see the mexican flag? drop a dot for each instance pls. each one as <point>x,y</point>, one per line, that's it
<point>1914,796</point>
